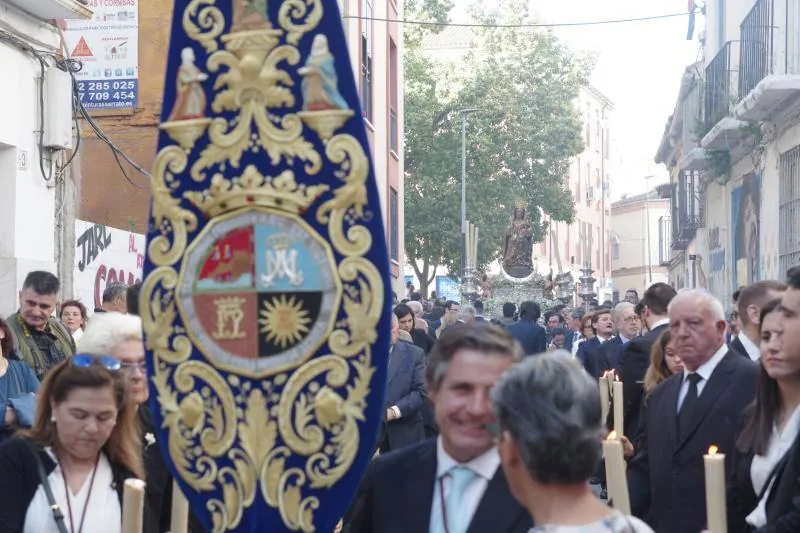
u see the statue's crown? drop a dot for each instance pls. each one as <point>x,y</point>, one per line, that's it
<point>253,189</point>
<point>520,204</point>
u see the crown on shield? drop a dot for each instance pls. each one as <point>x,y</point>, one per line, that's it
<point>253,189</point>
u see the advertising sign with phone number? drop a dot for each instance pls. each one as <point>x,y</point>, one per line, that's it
<point>108,48</point>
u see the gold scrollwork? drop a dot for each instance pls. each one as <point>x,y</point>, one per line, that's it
<point>252,84</point>
<point>210,23</point>
<point>296,410</point>
<point>350,198</point>
<point>292,10</point>
<point>363,313</point>
<point>168,215</point>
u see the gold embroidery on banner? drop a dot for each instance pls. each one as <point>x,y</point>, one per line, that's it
<point>167,214</point>
<point>210,23</point>
<point>229,318</point>
<point>291,10</point>
<point>235,433</point>
<point>253,84</point>
<point>251,188</point>
<point>348,200</point>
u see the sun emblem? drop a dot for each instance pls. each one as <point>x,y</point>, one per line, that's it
<point>284,321</point>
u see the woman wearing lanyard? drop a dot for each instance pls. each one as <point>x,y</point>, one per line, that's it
<point>66,474</point>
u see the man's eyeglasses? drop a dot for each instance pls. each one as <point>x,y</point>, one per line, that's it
<point>85,360</point>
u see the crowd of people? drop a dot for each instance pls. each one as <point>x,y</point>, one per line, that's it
<point>491,424</point>
<point>512,415</point>
<point>77,423</point>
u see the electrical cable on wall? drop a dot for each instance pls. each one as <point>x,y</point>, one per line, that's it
<point>71,66</point>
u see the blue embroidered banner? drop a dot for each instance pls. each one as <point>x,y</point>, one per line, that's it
<point>264,300</point>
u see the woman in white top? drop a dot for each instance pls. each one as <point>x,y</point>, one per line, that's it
<point>87,440</point>
<point>74,316</point>
<point>549,438</point>
<point>770,427</point>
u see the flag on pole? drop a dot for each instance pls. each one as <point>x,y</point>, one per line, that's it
<point>690,33</point>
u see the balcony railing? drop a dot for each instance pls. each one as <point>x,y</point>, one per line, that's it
<point>687,212</point>
<point>721,84</point>
<point>770,43</point>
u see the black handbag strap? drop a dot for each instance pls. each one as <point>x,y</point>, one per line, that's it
<point>58,516</point>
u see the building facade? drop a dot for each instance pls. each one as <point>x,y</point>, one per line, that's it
<point>640,241</point>
<point>35,138</point>
<point>733,149</point>
<point>109,197</point>
<point>568,247</point>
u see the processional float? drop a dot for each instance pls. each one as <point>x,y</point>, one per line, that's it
<point>264,298</point>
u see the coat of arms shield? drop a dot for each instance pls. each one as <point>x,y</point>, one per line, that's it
<point>264,301</point>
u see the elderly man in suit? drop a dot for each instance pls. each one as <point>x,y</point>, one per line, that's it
<point>530,335</point>
<point>627,324</point>
<point>405,395</point>
<point>634,359</point>
<point>688,413</point>
<point>452,484</point>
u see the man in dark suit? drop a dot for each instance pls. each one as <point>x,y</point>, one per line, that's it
<point>687,414</point>
<point>589,350</point>
<point>454,483</point>
<point>635,357</point>
<point>530,335</point>
<point>627,325</point>
<point>751,299</point>
<point>405,395</point>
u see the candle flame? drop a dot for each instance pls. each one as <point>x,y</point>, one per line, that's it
<point>713,450</point>
<point>616,377</point>
<point>608,373</point>
<point>612,436</point>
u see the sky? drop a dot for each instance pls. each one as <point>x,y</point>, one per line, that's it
<point>639,67</point>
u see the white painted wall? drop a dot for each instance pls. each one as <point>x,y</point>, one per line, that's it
<point>27,221</point>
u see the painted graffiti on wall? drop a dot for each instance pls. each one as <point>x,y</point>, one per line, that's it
<point>746,228</point>
<point>104,255</point>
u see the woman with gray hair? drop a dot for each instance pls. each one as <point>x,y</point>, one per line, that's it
<point>120,336</point>
<point>550,434</point>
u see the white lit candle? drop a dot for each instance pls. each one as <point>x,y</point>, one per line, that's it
<point>180,511</point>
<point>616,474</point>
<point>715,491</point>
<point>619,405</point>
<point>133,506</point>
<point>605,399</point>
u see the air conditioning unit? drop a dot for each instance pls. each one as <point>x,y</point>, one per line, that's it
<point>590,194</point>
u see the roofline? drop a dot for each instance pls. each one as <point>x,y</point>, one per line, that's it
<point>606,101</point>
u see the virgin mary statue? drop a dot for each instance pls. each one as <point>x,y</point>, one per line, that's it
<point>518,249</point>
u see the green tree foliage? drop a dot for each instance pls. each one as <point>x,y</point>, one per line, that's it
<point>525,82</point>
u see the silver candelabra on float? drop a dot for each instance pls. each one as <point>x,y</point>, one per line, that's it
<point>469,277</point>
<point>587,285</point>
